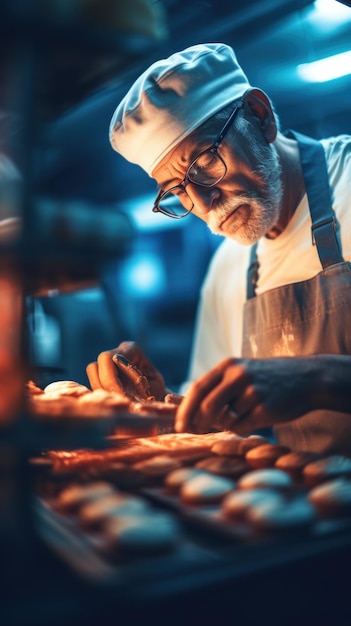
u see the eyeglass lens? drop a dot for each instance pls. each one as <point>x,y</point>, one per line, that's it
<point>207,169</point>
<point>176,202</point>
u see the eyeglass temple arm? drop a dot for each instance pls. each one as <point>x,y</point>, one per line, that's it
<point>228,123</point>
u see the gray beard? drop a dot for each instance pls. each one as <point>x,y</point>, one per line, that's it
<point>264,207</point>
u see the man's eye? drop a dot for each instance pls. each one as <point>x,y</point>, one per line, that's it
<point>177,191</point>
<point>205,161</point>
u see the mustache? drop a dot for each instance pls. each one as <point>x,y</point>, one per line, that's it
<point>224,207</point>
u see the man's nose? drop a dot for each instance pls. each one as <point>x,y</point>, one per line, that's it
<point>203,198</point>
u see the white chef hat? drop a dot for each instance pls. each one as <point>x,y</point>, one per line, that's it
<point>172,98</point>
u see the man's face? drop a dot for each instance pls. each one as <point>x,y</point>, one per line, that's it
<point>245,204</point>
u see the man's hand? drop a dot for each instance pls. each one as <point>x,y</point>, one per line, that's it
<point>104,372</point>
<point>248,394</point>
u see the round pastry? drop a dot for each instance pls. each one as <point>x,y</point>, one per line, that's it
<point>333,498</point>
<point>265,455</point>
<point>234,444</point>
<point>268,478</point>
<point>73,496</point>
<point>100,397</point>
<point>52,405</point>
<point>237,503</point>
<point>175,479</point>
<point>93,514</point>
<point>228,446</point>
<point>325,469</point>
<point>158,465</point>
<point>66,388</point>
<point>205,489</point>
<point>284,515</point>
<point>140,534</point>
<point>224,466</point>
<point>294,462</point>
<point>251,442</point>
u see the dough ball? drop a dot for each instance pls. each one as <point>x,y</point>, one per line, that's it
<point>333,498</point>
<point>224,466</point>
<point>175,479</point>
<point>140,534</point>
<point>294,462</point>
<point>73,496</point>
<point>205,489</point>
<point>265,455</point>
<point>334,466</point>
<point>157,465</point>
<point>237,503</point>
<point>66,388</point>
<point>284,515</point>
<point>227,447</point>
<point>93,514</point>
<point>269,478</point>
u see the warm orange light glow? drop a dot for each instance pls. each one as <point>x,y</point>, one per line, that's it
<point>12,369</point>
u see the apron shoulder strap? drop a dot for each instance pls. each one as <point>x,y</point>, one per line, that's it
<point>252,273</point>
<point>316,179</point>
<point>319,196</point>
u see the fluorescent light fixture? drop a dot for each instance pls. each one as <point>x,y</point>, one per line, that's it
<point>329,13</point>
<point>326,69</point>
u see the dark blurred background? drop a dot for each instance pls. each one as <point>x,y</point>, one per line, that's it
<point>149,294</point>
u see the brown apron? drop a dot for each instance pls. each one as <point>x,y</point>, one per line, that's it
<point>309,317</point>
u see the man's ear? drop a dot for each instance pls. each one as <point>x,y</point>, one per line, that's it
<point>260,106</point>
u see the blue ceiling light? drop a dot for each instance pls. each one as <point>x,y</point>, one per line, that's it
<point>326,14</point>
<point>326,69</point>
<point>327,17</point>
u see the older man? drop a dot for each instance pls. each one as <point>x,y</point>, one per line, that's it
<point>280,284</point>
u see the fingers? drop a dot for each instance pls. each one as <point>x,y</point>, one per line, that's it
<point>132,352</point>
<point>107,373</point>
<point>93,375</point>
<point>246,402</point>
<point>135,355</point>
<point>221,398</point>
<point>127,371</point>
<point>111,376</point>
<point>196,411</point>
<point>245,394</point>
<point>254,420</point>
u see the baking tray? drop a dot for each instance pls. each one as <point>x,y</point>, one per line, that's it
<point>83,551</point>
<point>207,550</point>
<point>210,519</point>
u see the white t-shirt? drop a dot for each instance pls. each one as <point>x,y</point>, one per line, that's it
<point>289,258</point>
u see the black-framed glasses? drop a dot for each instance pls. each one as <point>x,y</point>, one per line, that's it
<point>206,170</point>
